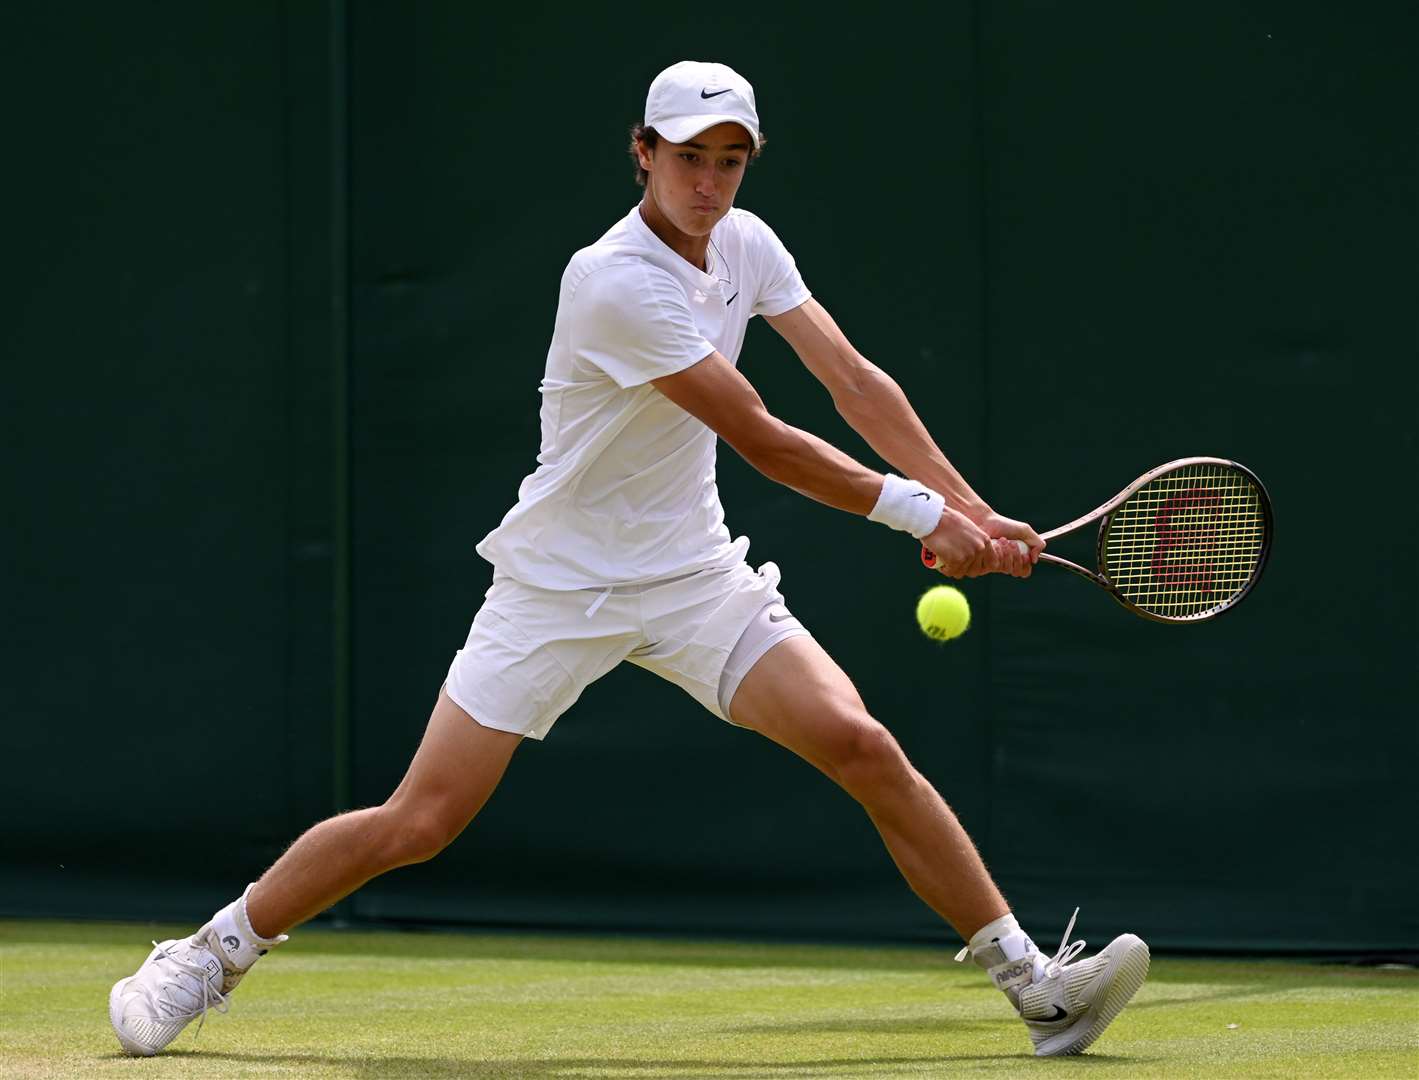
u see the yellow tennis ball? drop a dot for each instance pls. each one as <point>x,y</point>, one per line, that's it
<point>943,612</point>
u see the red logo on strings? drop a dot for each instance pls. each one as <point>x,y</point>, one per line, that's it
<point>1196,536</point>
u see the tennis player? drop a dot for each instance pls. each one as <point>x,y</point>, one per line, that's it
<point>616,551</point>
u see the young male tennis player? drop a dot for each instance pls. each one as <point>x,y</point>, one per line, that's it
<point>617,551</point>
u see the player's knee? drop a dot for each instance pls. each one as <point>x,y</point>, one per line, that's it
<point>871,761</point>
<point>414,834</point>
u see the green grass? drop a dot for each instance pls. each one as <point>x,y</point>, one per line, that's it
<point>367,1005</point>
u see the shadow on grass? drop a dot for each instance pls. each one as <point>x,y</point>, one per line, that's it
<point>550,945</point>
<point>602,1068</point>
<point>1256,975</point>
<point>1260,974</point>
<point>848,1025</point>
<point>1251,990</point>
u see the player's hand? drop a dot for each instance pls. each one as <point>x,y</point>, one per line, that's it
<point>997,526</point>
<point>1008,557</point>
<point>962,547</point>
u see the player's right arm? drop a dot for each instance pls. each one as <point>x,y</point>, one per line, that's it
<point>716,393</point>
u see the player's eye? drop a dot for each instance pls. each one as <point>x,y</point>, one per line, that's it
<point>692,158</point>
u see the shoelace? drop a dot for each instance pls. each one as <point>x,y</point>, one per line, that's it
<point>211,999</point>
<point>1064,955</point>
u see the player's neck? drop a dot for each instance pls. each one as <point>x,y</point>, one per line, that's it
<point>690,248</point>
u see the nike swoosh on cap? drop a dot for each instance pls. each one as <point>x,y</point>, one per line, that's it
<point>707,95</point>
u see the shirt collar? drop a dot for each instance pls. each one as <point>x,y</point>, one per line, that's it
<point>673,260</point>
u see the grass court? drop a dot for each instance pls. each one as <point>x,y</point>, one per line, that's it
<point>369,1005</point>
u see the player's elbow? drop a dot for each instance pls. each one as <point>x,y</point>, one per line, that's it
<point>864,393</point>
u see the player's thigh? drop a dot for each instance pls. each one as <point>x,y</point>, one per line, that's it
<point>458,764</point>
<point>799,697</point>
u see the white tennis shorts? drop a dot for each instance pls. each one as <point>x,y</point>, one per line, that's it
<point>531,652</point>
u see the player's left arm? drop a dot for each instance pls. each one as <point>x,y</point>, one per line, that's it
<point>876,408</point>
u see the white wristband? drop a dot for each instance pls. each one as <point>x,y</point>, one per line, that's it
<point>909,506</point>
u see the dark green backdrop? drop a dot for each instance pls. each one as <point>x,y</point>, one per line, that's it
<point>279,292</point>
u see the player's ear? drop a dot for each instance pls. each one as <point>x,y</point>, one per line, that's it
<point>644,154</point>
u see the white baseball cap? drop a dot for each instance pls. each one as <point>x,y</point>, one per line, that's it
<point>688,97</point>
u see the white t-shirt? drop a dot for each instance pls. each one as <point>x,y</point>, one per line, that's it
<point>624,490</point>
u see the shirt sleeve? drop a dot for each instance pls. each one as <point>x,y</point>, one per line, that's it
<point>781,287</point>
<point>633,322</point>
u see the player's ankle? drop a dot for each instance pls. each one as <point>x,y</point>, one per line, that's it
<point>241,945</point>
<point>1006,934</point>
<point>1005,952</point>
<point>1005,927</point>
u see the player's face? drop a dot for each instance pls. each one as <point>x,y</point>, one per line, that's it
<point>694,183</point>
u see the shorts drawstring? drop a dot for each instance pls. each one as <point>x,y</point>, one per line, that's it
<point>596,604</point>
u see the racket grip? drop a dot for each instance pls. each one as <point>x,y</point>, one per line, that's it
<point>928,557</point>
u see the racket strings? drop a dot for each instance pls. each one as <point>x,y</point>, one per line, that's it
<point>1188,542</point>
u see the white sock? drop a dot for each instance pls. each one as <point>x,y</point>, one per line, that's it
<point>1006,952</point>
<point>241,945</point>
<point>998,930</point>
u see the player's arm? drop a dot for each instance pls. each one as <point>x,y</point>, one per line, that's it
<point>718,395</point>
<point>876,408</point>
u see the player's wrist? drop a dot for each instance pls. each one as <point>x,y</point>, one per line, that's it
<point>909,506</point>
<point>976,509</point>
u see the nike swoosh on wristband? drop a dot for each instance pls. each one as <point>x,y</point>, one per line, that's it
<point>707,95</point>
<point>920,495</point>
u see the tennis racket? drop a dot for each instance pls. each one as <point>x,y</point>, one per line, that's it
<point>1182,543</point>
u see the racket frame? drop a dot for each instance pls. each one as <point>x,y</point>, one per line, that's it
<point>1103,514</point>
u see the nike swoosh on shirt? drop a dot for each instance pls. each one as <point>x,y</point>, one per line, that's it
<point>707,95</point>
<point>731,300</point>
<point>779,618</point>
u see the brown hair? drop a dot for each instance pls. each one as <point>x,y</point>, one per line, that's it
<point>648,135</point>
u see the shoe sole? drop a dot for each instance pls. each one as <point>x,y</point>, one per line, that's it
<point>1125,974</point>
<point>114,1018</point>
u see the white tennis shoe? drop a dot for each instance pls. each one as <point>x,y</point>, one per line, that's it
<point>178,983</point>
<point>1066,1004</point>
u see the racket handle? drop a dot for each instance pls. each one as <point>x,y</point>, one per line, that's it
<point>928,557</point>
